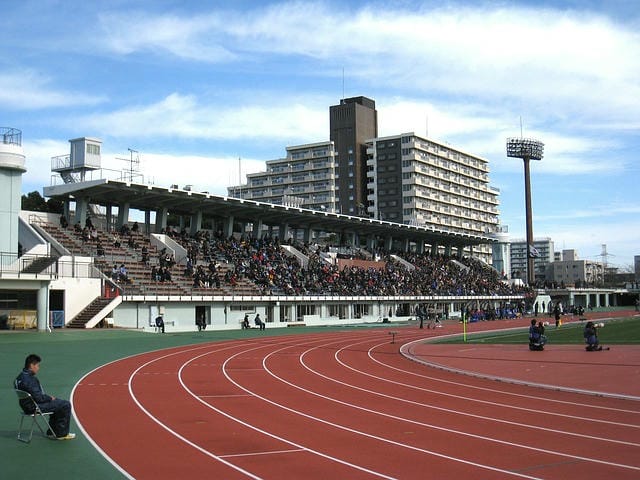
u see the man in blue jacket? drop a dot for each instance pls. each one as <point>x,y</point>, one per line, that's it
<point>61,409</point>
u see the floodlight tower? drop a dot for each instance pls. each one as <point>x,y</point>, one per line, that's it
<point>527,149</point>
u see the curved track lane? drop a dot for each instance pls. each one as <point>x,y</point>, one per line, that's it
<point>347,405</point>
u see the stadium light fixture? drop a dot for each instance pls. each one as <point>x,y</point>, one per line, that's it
<point>527,149</point>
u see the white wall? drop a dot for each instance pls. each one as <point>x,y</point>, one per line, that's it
<point>79,292</point>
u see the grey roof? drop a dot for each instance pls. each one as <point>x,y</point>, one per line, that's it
<point>182,202</point>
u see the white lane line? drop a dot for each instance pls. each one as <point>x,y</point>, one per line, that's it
<point>273,452</point>
<point>225,396</point>
<point>407,346</point>
<point>359,432</point>
<point>436,427</point>
<point>173,432</point>
<point>466,413</point>
<point>91,440</point>
<point>269,434</point>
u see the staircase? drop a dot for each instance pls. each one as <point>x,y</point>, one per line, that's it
<point>39,265</point>
<point>89,312</point>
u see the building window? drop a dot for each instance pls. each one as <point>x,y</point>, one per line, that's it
<point>93,149</point>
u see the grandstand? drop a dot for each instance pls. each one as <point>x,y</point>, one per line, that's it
<point>225,257</point>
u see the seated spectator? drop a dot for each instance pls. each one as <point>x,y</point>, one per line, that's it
<point>188,271</point>
<point>116,240</point>
<point>154,274</point>
<point>245,322</point>
<point>135,227</point>
<point>63,221</point>
<point>259,323</point>
<point>166,275</point>
<point>115,273</point>
<point>145,255</point>
<point>99,249</point>
<point>123,274</point>
<point>61,409</point>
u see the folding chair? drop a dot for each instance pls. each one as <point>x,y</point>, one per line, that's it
<point>35,416</point>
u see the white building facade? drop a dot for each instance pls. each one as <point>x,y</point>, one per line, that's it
<point>543,248</point>
<point>306,177</point>
<point>418,181</point>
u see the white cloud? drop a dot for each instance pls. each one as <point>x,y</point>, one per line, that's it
<point>185,116</point>
<point>38,153</point>
<point>538,59</point>
<point>193,38</point>
<point>205,173</point>
<point>29,90</point>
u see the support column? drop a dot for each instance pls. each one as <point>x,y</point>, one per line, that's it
<point>307,234</point>
<point>371,243</point>
<point>283,232</point>
<point>81,211</point>
<point>420,246</point>
<point>65,210</point>
<point>405,245</point>
<point>257,229</point>
<point>388,243</point>
<point>355,240</point>
<point>43,307</point>
<point>227,227</point>
<point>434,249</point>
<point>161,219</point>
<point>447,250</point>
<point>123,214</point>
<point>196,223</point>
<point>109,217</point>
<point>147,222</point>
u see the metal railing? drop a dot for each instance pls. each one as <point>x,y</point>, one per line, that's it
<point>11,136</point>
<point>28,266</point>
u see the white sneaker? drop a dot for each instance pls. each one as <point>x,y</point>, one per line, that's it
<point>68,436</point>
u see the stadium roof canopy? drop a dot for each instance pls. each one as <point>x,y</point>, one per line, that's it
<point>105,192</point>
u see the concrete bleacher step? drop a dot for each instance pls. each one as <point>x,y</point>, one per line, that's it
<point>80,320</point>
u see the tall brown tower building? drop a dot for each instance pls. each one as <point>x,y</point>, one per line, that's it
<point>351,124</point>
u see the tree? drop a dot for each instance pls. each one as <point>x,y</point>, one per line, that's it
<point>34,202</point>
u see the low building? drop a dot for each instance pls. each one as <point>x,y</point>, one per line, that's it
<point>573,271</point>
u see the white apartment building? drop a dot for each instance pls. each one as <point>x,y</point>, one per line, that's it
<point>573,271</point>
<point>306,178</point>
<point>415,180</point>
<point>545,255</point>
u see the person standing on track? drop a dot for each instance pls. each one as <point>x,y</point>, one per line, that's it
<point>61,409</point>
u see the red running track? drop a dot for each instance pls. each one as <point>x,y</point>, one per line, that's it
<point>343,405</point>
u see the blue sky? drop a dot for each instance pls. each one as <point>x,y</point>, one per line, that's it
<point>193,86</point>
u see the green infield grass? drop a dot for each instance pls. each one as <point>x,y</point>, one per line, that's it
<point>624,331</point>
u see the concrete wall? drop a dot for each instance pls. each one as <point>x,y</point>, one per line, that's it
<point>79,292</point>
